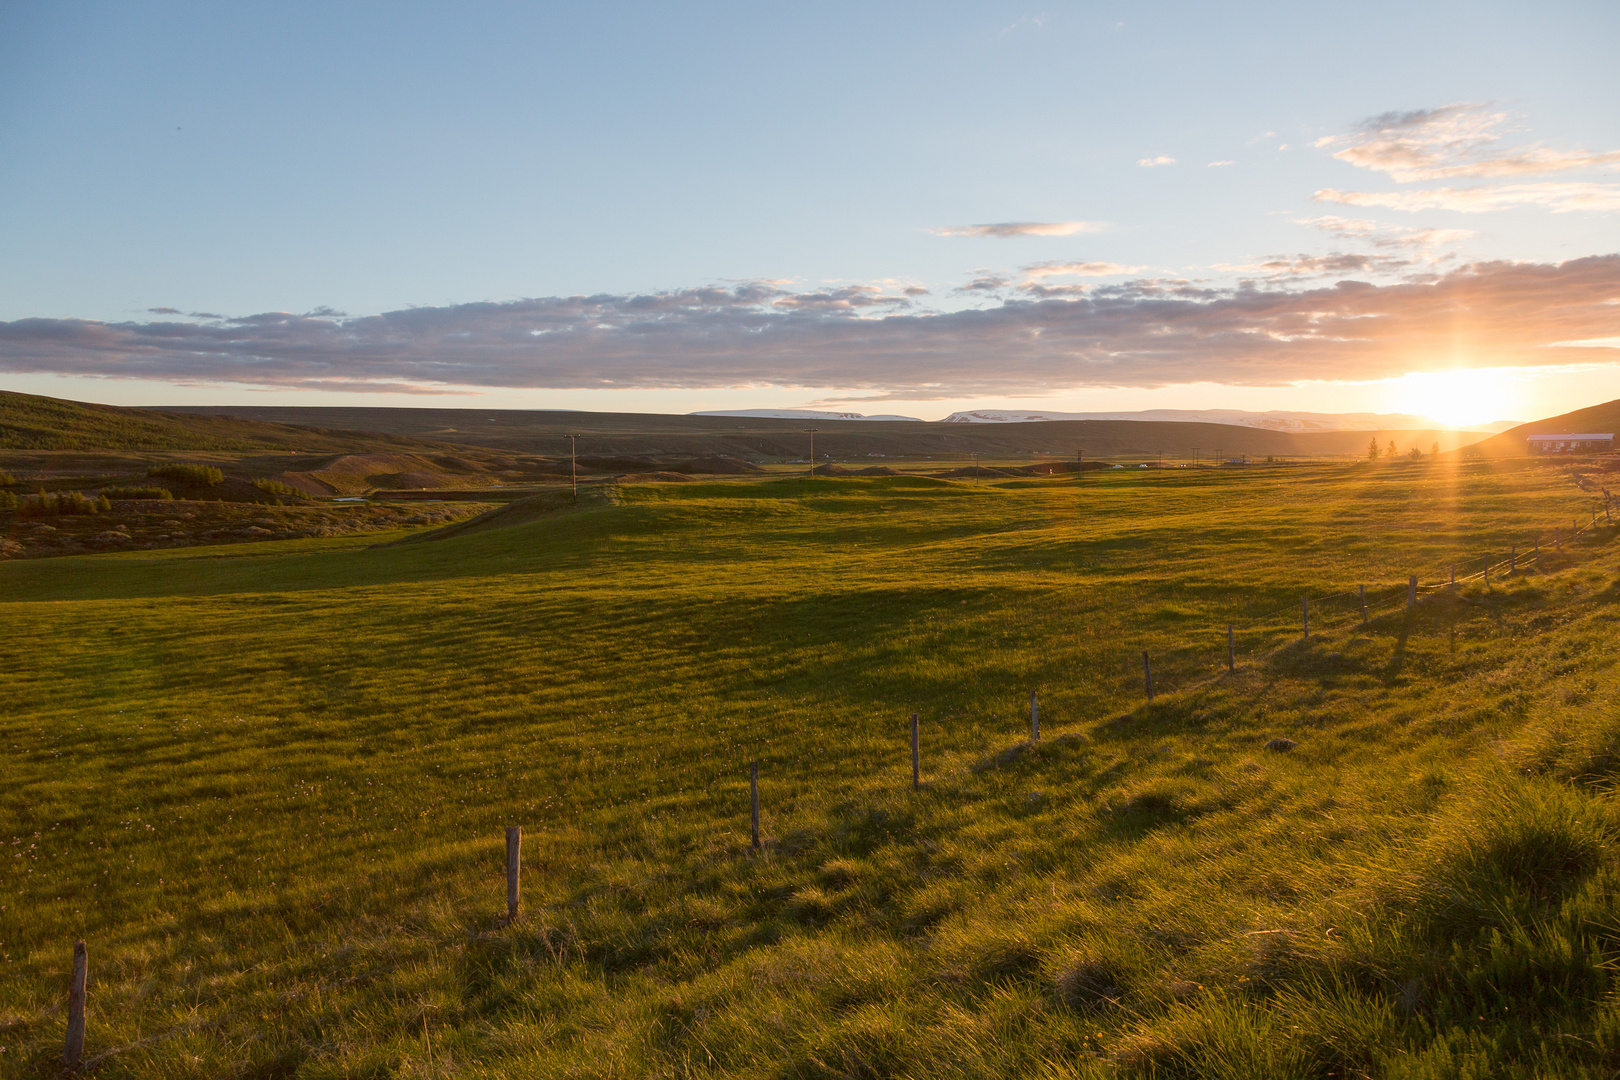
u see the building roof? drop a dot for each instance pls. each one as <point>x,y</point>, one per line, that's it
<point>1587,437</point>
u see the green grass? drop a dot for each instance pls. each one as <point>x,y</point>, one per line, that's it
<point>267,784</point>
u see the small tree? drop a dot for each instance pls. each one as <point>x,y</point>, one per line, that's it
<point>1372,449</point>
<point>1434,451</point>
<point>1391,452</point>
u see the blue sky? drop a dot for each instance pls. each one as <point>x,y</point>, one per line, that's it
<point>419,187</point>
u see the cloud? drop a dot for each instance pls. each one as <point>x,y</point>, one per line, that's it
<point>1387,236</point>
<point>1560,198</point>
<point>163,311</point>
<point>1451,142</point>
<point>1004,229</point>
<point>1154,162</point>
<point>1076,269</point>
<point>989,283</point>
<point>1141,333</point>
<point>1217,164</point>
<point>1338,264</point>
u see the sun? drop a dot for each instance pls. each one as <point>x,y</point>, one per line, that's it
<point>1456,398</point>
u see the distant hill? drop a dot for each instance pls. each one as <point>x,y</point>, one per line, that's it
<point>657,436</point>
<point>1274,420</point>
<point>30,422</point>
<point>1511,443</point>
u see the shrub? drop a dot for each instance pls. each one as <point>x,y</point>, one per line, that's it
<point>61,504</point>
<point>276,487</point>
<point>8,501</point>
<point>137,493</point>
<point>193,475</point>
<point>6,479</point>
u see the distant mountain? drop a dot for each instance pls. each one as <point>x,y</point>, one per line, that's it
<point>800,414</point>
<point>1270,421</point>
<point>1594,418</point>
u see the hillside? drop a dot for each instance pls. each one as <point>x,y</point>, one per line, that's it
<point>657,436</point>
<point>30,422</point>
<point>268,786</point>
<point>1595,418</point>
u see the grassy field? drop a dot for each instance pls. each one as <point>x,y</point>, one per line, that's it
<point>267,784</point>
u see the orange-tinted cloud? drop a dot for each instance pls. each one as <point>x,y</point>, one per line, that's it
<point>1142,333</point>
<point>1004,229</point>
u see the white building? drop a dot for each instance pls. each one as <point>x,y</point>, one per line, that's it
<point>1569,444</point>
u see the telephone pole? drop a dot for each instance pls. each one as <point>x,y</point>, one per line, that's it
<point>812,432</point>
<point>573,464</point>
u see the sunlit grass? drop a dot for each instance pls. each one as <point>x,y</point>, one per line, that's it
<point>267,784</point>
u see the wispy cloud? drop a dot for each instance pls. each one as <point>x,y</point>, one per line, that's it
<point>1336,264</point>
<point>1217,164</point>
<point>1004,229</point>
<point>1144,333</point>
<point>1559,197</point>
<point>1387,236</point>
<point>1155,162</point>
<point>1077,269</point>
<point>1457,141</point>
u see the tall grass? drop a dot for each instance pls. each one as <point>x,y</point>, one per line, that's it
<point>268,785</point>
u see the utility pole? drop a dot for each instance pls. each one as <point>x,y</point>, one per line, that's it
<point>573,464</point>
<point>812,432</point>
<point>1195,455</point>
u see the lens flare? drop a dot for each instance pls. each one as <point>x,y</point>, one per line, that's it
<point>1455,398</point>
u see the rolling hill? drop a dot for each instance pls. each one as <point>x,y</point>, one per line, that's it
<point>1511,443</point>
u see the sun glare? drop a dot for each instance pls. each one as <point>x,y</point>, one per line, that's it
<point>1459,397</point>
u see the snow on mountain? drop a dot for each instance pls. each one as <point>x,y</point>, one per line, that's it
<point>1274,421</point>
<point>798,414</point>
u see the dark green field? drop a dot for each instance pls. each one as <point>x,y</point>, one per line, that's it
<point>267,785</point>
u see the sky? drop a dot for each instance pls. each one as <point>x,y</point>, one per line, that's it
<point>881,207</point>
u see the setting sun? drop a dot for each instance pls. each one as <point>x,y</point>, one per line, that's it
<point>1460,397</point>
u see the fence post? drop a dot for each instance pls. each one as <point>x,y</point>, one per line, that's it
<point>514,867</point>
<point>1034,718</point>
<point>1147,675</point>
<point>1231,650</point>
<point>753,798</point>
<point>1487,571</point>
<point>1454,573</point>
<point>1513,559</point>
<point>1557,546</point>
<point>1363,589</point>
<point>1411,591</point>
<point>1305,610</point>
<point>73,1049</point>
<point>915,748</point>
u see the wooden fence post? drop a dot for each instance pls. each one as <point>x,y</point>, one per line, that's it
<point>1363,589</point>
<point>1034,718</point>
<point>1557,546</point>
<point>73,1050</point>
<point>1513,559</point>
<point>753,798</point>
<point>1454,573</point>
<point>1147,675</point>
<point>1411,591</point>
<point>916,773</point>
<point>514,868</point>
<point>1231,650</point>
<point>1537,542</point>
<point>1487,571</point>
<point>1305,610</point>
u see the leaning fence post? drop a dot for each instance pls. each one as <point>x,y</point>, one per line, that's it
<point>1231,650</point>
<point>514,867</point>
<point>1411,591</point>
<point>753,798</point>
<point>1147,675</point>
<point>73,1049</point>
<point>1363,589</point>
<point>1034,718</point>
<point>916,774</point>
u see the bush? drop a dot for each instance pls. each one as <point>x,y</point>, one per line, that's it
<point>137,493</point>
<point>276,487</point>
<point>6,479</point>
<point>61,504</point>
<point>192,475</point>
<point>8,501</point>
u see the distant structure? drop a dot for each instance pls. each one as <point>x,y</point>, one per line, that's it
<point>1571,444</point>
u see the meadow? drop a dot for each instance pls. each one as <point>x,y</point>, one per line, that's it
<point>267,785</point>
